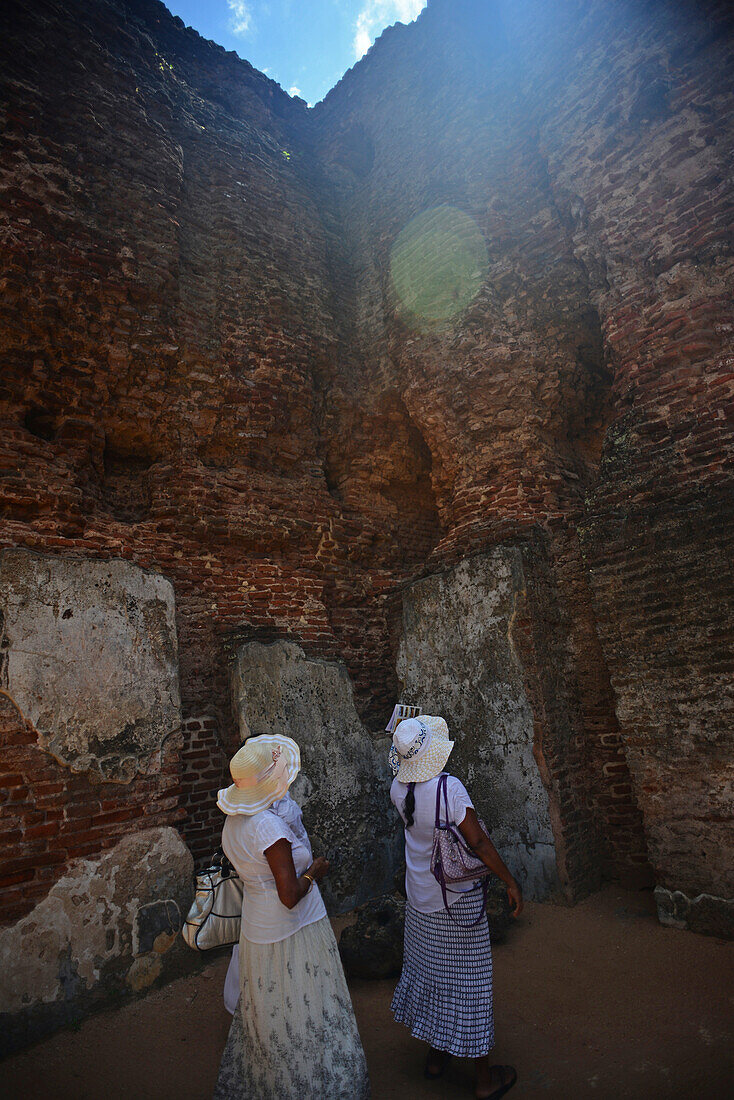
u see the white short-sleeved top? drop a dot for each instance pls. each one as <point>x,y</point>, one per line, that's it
<point>424,892</point>
<point>245,838</point>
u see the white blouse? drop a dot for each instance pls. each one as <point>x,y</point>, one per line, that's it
<point>245,838</point>
<point>424,892</point>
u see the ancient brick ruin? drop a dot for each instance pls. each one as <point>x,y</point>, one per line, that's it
<point>260,470</point>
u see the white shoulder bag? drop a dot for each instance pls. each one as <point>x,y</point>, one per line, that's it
<point>215,916</point>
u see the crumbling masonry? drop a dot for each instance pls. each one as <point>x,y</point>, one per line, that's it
<point>261,470</point>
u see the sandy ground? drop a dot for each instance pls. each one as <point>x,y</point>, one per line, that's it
<point>596,1001</point>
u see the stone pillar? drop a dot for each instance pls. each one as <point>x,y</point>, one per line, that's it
<point>345,780</point>
<point>457,658</point>
<point>95,881</point>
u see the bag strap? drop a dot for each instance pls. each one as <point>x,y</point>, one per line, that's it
<point>441,786</point>
<point>445,782</point>
<point>482,911</point>
<point>443,789</point>
<point>447,826</point>
<point>447,907</point>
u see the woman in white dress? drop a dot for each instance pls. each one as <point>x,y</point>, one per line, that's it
<point>293,1034</point>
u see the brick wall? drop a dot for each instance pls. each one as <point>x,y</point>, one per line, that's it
<point>204,772</point>
<point>204,371</point>
<point>586,393</point>
<point>50,816</point>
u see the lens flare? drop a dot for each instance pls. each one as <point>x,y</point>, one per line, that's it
<point>437,264</point>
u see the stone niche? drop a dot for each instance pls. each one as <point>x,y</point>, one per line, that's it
<point>88,654</point>
<point>457,659</point>
<point>344,782</point>
<point>109,925</point>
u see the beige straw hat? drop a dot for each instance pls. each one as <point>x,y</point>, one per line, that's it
<point>420,748</point>
<point>262,770</point>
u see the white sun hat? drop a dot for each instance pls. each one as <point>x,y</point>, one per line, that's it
<point>262,770</point>
<point>420,748</point>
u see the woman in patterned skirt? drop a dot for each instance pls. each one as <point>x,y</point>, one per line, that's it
<point>293,1034</point>
<point>445,990</point>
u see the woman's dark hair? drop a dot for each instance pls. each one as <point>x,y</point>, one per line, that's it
<point>409,805</point>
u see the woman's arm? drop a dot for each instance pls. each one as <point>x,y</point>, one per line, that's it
<point>483,847</point>
<point>291,887</point>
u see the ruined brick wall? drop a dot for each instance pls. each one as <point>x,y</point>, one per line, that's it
<point>585,394</point>
<point>203,764</point>
<point>512,394</point>
<point>167,340</point>
<point>206,371</point>
<point>52,816</point>
<point>649,211</point>
<point>658,530</point>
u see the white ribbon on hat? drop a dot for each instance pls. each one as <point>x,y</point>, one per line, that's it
<point>420,743</point>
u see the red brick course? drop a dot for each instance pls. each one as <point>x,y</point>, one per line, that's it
<point>51,816</point>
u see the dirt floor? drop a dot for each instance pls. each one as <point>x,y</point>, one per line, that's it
<point>596,1001</point>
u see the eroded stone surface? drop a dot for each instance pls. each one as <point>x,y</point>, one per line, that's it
<point>345,779</point>
<point>713,916</point>
<point>372,947</point>
<point>457,659</point>
<point>89,657</point>
<point>156,926</point>
<point>92,933</point>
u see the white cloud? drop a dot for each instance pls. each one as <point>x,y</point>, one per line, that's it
<point>294,90</point>
<point>241,21</point>
<point>378,14</point>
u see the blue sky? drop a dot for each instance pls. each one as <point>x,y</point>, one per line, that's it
<point>306,45</point>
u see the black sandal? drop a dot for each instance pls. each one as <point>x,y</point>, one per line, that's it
<point>504,1087</point>
<point>445,1058</point>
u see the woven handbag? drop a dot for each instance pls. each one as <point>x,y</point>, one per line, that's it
<point>215,916</point>
<point>452,860</point>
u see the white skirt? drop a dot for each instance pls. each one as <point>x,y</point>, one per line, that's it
<point>231,992</point>
<point>293,1034</point>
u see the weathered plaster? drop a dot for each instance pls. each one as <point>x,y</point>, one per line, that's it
<point>85,936</point>
<point>457,659</point>
<point>89,655</point>
<point>344,782</point>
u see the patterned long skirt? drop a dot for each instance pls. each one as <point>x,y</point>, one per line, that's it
<point>293,1034</point>
<point>445,990</point>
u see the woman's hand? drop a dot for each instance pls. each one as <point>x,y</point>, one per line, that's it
<point>514,893</point>
<point>318,869</point>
